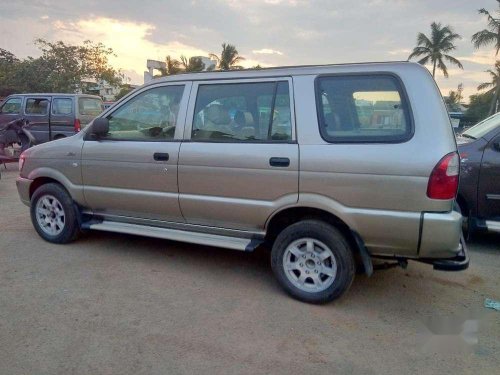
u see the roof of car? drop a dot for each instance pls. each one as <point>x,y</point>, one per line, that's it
<point>281,70</point>
<point>57,94</point>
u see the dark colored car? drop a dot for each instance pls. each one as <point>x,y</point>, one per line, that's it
<point>51,116</point>
<point>479,189</point>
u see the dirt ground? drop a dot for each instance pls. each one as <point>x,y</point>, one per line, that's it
<point>120,304</point>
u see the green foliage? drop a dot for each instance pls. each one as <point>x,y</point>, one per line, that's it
<point>479,106</point>
<point>124,90</point>
<point>490,35</point>
<point>435,49</point>
<point>454,98</point>
<point>60,68</point>
<point>193,64</point>
<point>173,66</point>
<point>228,59</point>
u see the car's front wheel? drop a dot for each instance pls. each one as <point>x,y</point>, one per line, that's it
<point>313,261</point>
<point>53,214</point>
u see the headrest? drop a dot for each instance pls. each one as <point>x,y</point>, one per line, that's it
<point>216,114</point>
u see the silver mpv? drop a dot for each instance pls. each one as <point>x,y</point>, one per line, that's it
<point>330,165</point>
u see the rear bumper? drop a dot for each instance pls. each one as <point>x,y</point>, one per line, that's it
<point>459,262</point>
<point>23,188</point>
<point>440,235</point>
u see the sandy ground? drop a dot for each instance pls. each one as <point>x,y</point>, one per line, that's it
<point>119,304</point>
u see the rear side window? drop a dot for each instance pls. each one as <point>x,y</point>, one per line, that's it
<point>62,106</point>
<point>243,112</point>
<point>37,106</point>
<point>362,108</point>
<point>89,106</point>
<point>12,106</point>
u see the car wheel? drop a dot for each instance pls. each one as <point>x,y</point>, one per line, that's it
<point>53,214</point>
<point>313,261</point>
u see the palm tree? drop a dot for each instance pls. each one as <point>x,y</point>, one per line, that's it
<point>490,35</point>
<point>493,86</point>
<point>172,66</point>
<point>193,64</point>
<point>435,48</point>
<point>228,59</point>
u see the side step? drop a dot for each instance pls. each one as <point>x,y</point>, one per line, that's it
<point>493,226</point>
<point>234,243</point>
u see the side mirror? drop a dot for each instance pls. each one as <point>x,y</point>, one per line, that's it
<point>100,127</point>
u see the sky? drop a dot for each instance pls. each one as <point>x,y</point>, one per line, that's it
<point>265,32</point>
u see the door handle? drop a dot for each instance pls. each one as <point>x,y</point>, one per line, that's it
<point>160,156</point>
<point>279,162</point>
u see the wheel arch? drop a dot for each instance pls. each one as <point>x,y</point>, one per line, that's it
<point>44,175</point>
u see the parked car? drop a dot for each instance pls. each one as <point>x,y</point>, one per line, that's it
<point>327,164</point>
<point>51,116</point>
<point>479,189</point>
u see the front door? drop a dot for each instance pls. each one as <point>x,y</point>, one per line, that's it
<point>489,181</point>
<point>132,172</point>
<point>241,160</point>
<point>37,112</point>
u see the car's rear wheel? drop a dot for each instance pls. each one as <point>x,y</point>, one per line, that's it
<point>313,261</point>
<point>53,214</point>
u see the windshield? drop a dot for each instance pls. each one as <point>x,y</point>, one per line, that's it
<point>483,127</point>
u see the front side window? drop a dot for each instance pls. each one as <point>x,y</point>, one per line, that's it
<point>12,106</point>
<point>361,108</point>
<point>37,106</point>
<point>151,115</point>
<point>252,112</point>
<point>62,106</point>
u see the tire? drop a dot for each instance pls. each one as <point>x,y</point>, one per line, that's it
<point>295,264</point>
<point>54,214</point>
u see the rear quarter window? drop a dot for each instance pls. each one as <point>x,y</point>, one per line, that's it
<point>89,106</point>
<point>362,108</point>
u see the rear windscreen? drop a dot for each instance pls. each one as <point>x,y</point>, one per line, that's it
<point>90,106</point>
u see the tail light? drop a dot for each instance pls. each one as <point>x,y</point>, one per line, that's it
<point>443,182</point>
<point>22,159</point>
<point>77,125</point>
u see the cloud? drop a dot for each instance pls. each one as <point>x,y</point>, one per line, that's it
<point>267,51</point>
<point>486,58</point>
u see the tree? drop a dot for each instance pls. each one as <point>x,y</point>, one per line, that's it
<point>479,105</point>
<point>193,64</point>
<point>60,68</point>
<point>124,90</point>
<point>490,35</point>
<point>228,59</point>
<point>8,65</point>
<point>436,48</point>
<point>493,86</point>
<point>173,66</point>
<point>454,98</point>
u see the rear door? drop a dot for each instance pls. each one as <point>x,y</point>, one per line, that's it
<point>489,181</point>
<point>62,117</point>
<point>240,159</point>
<point>37,112</point>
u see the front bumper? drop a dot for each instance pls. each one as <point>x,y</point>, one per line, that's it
<point>23,188</point>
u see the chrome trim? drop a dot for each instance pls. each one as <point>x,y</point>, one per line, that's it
<point>493,226</point>
<point>180,226</point>
<point>493,196</point>
<point>234,243</point>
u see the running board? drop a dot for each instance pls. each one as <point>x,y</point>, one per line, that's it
<point>234,243</point>
<point>493,226</point>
